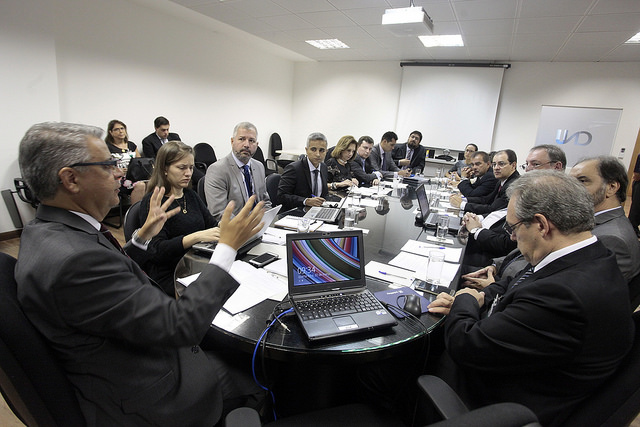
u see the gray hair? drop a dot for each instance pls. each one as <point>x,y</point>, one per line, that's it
<point>316,136</point>
<point>562,199</point>
<point>247,126</point>
<point>555,153</point>
<point>48,147</point>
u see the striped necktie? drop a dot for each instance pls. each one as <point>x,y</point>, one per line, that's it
<point>105,231</point>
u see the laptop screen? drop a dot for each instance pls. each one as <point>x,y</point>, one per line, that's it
<point>323,261</point>
<point>423,201</point>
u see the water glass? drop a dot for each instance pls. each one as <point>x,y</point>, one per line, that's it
<point>303,225</point>
<point>396,180</point>
<point>434,267</point>
<point>356,197</point>
<point>349,217</point>
<point>443,227</point>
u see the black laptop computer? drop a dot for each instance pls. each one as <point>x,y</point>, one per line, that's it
<point>430,219</point>
<point>327,285</point>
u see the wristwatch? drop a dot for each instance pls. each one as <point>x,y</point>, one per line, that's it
<point>474,230</point>
<point>134,237</point>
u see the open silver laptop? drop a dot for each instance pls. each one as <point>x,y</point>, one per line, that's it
<point>431,218</point>
<point>325,213</point>
<point>268,218</point>
<point>327,285</point>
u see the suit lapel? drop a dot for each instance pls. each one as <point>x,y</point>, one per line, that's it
<point>237,175</point>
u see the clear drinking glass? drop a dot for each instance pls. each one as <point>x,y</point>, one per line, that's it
<point>303,225</point>
<point>443,227</point>
<point>434,267</point>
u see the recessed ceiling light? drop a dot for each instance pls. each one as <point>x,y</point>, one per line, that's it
<point>635,39</point>
<point>327,44</point>
<point>448,40</point>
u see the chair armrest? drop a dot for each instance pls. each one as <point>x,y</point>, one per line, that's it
<point>242,417</point>
<point>444,399</point>
<point>498,415</point>
<point>271,165</point>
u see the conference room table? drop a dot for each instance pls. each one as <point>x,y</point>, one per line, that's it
<point>288,356</point>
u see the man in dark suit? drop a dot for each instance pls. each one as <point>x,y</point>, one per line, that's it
<point>551,336</point>
<point>130,350</point>
<point>304,182</point>
<point>410,155</point>
<point>380,159</point>
<point>478,180</point>
<point>606,180</point>
<point>368,176</point>
<point>504,165</point>
<point>152,143</point>
<point>238,175</point>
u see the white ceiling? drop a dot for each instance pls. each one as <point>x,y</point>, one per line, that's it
<point>492,30</point>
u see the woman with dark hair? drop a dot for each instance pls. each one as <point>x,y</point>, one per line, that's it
<point>122,149</point>
<point>194,223</point>
<point>339,165</point>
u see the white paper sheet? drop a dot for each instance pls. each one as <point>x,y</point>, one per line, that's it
<point>389,273</point>
<point>423,248</point>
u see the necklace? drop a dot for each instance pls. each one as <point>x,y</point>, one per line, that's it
<point>184,205</point>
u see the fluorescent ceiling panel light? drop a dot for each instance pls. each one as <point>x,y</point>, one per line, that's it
<point>448,40</point>
<point>634,40</point>
<point>408,21</point>
<point>327,44</point>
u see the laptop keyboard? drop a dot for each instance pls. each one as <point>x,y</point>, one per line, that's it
<point>325,213</point>
<point>333,305</point>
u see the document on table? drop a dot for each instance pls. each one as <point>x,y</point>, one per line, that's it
<point>256,285</point>
<point>418,263</point>
<point>423,248</point>
<point>389,273</point>
<point>276,236</point>
<point>372,203</point>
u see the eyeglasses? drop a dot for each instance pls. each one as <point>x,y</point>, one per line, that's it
<point>110,164</point>
<point>510,228</point>
<point>534,165</point>
<point>499,164</point>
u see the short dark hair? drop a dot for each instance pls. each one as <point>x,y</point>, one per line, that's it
<point>611,170</point>
<point>485,156</point>
<point>160,121</point>
<point>474,145</point>
<point>365,138</point>
<point>389,135</point>
<point>417,132</point>
<point>511,155</point>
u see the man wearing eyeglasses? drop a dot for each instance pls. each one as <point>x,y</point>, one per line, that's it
<point>545,156</point>
<point>551,336</point>
<point>124,344</point>
<point>504,165</point>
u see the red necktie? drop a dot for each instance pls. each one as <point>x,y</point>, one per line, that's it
<point>105,231</point>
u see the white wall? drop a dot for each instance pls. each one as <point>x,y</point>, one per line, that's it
<point>90,61</point>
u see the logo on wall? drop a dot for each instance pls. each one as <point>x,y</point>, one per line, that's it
<point>561,137</point>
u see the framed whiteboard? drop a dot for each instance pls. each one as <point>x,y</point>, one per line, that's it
<point>579,131</point>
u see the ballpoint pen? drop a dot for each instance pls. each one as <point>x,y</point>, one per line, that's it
<point>390,274</point>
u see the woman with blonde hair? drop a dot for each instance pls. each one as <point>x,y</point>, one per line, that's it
<point>340,166</point>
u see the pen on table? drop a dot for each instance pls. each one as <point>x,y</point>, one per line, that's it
<point>430,247</point>
<point>390,274</point>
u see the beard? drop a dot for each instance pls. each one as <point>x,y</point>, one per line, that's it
<point>599,196</point>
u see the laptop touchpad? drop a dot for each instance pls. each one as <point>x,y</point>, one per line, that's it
<point>345,322</point>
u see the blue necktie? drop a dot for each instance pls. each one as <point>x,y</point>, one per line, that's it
<point>247,180</point>
<point>363,167</point>
<point>314,186</point>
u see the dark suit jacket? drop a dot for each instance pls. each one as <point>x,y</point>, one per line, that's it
<point>295,184</point>
<point>616,232</point>
<point>493,201</point>
<point>125,345</point>
<point>552,339</point>
<point>151,143</point>
<point>491,243</point>
<point>364,175</point>
<point>375,162</point>
<point>399,152</point>
<point>483,186</point>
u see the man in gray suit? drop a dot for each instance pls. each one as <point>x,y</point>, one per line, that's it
<point>130,350</point>
<point>380,159</point>
<point>236,177</point>
<point>606,180</point>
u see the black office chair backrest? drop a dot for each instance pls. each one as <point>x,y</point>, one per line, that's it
<point>201,190</point>
<point>132,220</point>
<point>24,192</point>
<point>259,156</point>
<point>31,380</point>
<point>272,183</point>
<point>617,401</point>
<point>275,144</point>
<point>203,156</point>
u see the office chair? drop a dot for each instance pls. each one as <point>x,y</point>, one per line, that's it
<point>118,211</point>
<point>201,190</point>
<point>131,220</point>
<point>203,156</point>
<point>275,145</point>
<point>272,183</point>
<point>444,399</point>
<point>270,165</point>
<point>31,380</point>
<point>24,192</point>
<point>617,401</point>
